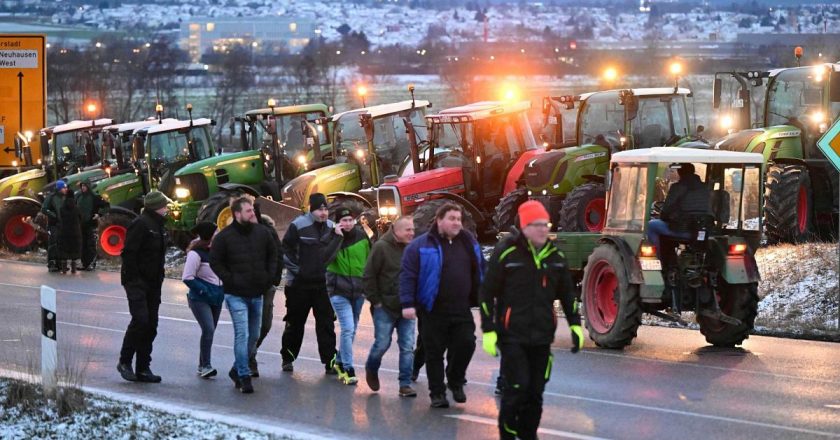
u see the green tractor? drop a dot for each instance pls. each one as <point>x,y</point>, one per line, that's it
<point>157,151</point>
<point>569,179</point>
<point>715,273</point>
<point>73,152</point>
<point>801,186</point>
<point>277,146</point>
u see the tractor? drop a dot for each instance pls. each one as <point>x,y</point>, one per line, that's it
<point>475,156</point>
<point>569,179</point>
<point>715,273</point>
<point>801,186</point>
<point>73,152</point>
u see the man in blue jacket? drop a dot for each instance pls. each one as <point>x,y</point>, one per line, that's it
<point>440,278</point>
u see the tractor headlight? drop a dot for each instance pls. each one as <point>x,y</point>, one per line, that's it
<point>392,211</point>
<point>181,192</point>
<point>383,211</point>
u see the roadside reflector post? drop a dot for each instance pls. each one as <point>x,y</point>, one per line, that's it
<point>49,352</point>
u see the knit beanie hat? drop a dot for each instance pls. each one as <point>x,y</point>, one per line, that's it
<point>341,213</point>
<point>154,200</point>
<point>316,201</point>
<point>204,230</point>
<point>60,184</point>
<point>530,212</point>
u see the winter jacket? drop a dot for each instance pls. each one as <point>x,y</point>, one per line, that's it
<point>144,253</point>
<point>277,277</point>
<point>90,204</point>
<point>244,256</point>
<point>517,297</point>
<point>52,207</point>
<point>205,285</point>
<point>307,247</point>
<point>70,230</point>
<point>382,273</point>
<point>422,263</point>
<point>686,200</point>
<point>345,270</point>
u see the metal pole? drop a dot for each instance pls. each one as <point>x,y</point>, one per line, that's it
<point>49,353</point>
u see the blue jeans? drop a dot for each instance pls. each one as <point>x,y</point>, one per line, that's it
<point>657,228</point>
<point>383,327</point>
<point>207,316</point>
<point>246,314</point>
<point>347,311</point>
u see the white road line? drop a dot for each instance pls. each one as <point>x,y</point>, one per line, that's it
<point>76,292</point>
<point>73,324</point>
<point>833,406</point>
<point>551,432</point>
<point>169,318</point>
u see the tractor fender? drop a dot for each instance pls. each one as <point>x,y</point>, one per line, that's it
<point>25,199</point>
<point>737,271</point>
<point>631,263</point>
<point>230,187</point>
<point>122,210</point>
<point>475,212</point>
<point>593,178</point>
<point>350,195</point>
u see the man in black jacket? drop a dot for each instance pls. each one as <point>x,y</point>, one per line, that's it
<point>309,243</point>
<point>525,275</point>
<point>142,273</point>
<point>51,209</point>
<point>90,204</point>
<point>244,257</point>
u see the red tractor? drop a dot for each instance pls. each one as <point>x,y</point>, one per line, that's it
<point>475,156</point>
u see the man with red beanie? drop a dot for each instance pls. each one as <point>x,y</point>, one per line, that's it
<point>526,273</point>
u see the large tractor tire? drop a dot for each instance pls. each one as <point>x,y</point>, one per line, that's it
<point>111,232</point>
<point>739,301</point>
<point>19,235</point>
<point>611,304</point>
<point>585,209</point>
<point>424,216</point>
<point>788,204</point>
<point>506,211</point>
<point>216,209</point>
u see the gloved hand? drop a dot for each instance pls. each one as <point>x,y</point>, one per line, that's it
<point>577,338</point>
<point>488,342</point>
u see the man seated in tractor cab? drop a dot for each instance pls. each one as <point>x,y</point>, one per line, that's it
<point>688,199</point>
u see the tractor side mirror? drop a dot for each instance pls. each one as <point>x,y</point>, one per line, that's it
<point>716,91</point>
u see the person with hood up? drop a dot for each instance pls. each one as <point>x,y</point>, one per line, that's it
<point>90,205</point>
<point>70,234</point>
<point>52,210</point>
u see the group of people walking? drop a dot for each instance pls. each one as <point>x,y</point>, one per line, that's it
<point>430,282</point>
<point>71,221</point>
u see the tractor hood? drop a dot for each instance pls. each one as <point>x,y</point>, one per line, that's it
<point>771,142</point>
<point>240,159</point>
<point>25,184</point>
<point>327,180</point>
<point>415,188</point>
<point>557,172</point>
<point>517,171</point>
<point>738,141</point>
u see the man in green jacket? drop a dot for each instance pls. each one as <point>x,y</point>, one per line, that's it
<point>382,283</point>
<point>527,272</point>
<point>90,205</point>
<point>344,285</point>
<point>51,208</point>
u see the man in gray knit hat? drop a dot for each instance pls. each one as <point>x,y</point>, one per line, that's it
<point>142,277</point>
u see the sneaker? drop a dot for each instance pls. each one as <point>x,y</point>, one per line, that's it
<point>337,370</point>
<point>235,378</point>
<point>127,372</point>
<point>372,379</point>
<point>349,377</point>
<point>146,375</point>
<point>288,367</point>
<point>247,387</point>
<point>332,367</point>
<point>252,365</point>
<point>207,372</point>
<point>458,394</point>
<point>439,401</point>
<point>407,392</point>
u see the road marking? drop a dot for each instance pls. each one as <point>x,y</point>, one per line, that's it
<point>73,324</point>
<point>76,292</point>
<point>552,432</point>
<point>169,318</point>
<point>833,406</point>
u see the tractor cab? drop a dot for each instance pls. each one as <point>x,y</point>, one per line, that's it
<point>118,144</point>
<point>168,146</point>
<point>736,100</point>
<point>712,273</point>
<point>74,146</point>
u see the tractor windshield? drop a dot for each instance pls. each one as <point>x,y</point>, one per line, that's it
<point>795,97</point>
<point>601,121</point>
<point>70,147</point>
<point>627,198</point>
<point>507,135</point>
<point>289,132</point>
<point>173,146</point>
<point>389,140</point>
<point>660,118</point>
<point>736,203</point>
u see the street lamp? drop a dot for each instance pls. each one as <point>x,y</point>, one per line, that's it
<point>91,110</point>
<point>676,69</point>
<point>159,111</point>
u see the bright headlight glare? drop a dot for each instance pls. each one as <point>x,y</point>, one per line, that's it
<point>383,211</point>
<point>301,159</point>
<point>392,210</point>
<point>181,192</point>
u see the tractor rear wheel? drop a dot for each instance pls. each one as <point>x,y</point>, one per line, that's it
<point>212,208</point>
<point>585,209</point>
<point>19,235</point>
<point>424,216</point>
<point>611,304</point>
<point>788,204</point>
<point>506,211</point>
<point>739,301</point>
<point>111,232</point>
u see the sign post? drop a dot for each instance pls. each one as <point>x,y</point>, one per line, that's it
<point>23,93</point>
<point>829,144</point>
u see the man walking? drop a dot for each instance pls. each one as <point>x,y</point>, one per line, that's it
<point>440,278</point>
<point>244,256</point>
<point>52,210</point>
<point>525,275</point>
<point>381,278</point>
<point>90,205</point>
<point>143,257</point>
<point>308,245</point>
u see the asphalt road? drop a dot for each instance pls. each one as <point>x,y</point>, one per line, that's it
<point>668,384</point>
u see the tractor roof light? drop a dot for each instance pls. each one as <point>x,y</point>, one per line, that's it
<point>272,103</point>
<point>610,74</point>
<point>510,92</point>
<point>817,117</point>
<point>675,68</point>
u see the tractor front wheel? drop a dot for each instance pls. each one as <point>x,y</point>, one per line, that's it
<point>424,216</point>
<point>507,209</point>
<point>111,232</point>
<point>19,235</point>
<point>611,304</point>
<point>585,209</point>
<point>213,209</point>
<point>788,204</point>
<point>739,301</point>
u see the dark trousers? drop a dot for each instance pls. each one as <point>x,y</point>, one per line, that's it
<point>207,316</point>
<point>53,255</point>
<point>299,300</point>
<point>526,369</point>
<point>143,304</point>
<point>88,245</point>
<point>452,336</point>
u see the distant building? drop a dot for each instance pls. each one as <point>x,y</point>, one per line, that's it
<point>290,33</point>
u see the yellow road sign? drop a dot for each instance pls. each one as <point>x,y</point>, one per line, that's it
<point>23,92</point>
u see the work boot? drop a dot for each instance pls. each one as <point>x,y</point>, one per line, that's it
<point>500,385</point>
<point>127,372</point>
<point>458,394</point>
<point>247,387</point>
<point>252,365</point>
<point>288,367</point>
<point>234,377</point>
<point>73,266</point>
<point>439,401</point>
<point>146,375</point>
<point>372,379</point>
<point>407,392</point>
